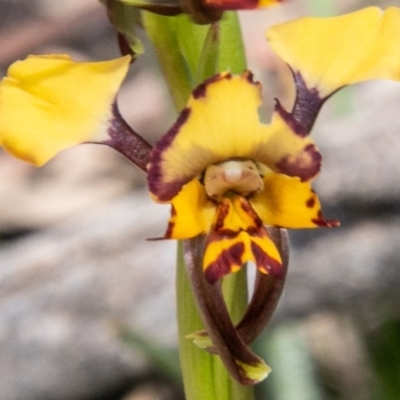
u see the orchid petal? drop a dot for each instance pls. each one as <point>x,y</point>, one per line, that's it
<point>238,236</point>
<point>192,213</point>
<point>209,130</point>
<point>221,122</point>
<point>289,203</point>
<point>288,151</point>
<point>330,53</point>
<point>49,103</point>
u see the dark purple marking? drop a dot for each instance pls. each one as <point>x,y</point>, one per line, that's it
<point>327,223</point>
<point>305,109</point>
<point>126,141</point>
<point>222,212</point>
<point>250,77</point>
<point>306,165</point>
<point>171,225</point>
<point>168,233</point>
<point>248,209</point>
<point>222,265</point>
<point>222,234</point>
<point>218,231</point>
<point>266,263</point>
<point>310,203</point>
<point>124,47</point>
<point>165,191</point>
<point>170,228</point>
<point>168,10</point>
<point>201,90</point>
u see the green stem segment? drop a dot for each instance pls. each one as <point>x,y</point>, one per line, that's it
<point>189,54</point>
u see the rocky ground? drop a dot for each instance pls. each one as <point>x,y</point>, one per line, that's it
<point>76,270</point>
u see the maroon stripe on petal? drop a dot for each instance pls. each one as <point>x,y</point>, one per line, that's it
<point>165,191</point>
<point>171,225</point>
<point>327,223</point>
<point>222,212</point>
<point>225,261</point>
<point>201,90</point>
<point>267,291</point>
<point>258,224</point>
<point>266,263</point>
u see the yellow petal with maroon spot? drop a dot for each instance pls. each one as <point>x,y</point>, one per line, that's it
<point>330,53</point>
<point>289,203</point>
<point>49,103</point>
<point>192,213</point>
<point>287,152</point>
<point>236,237</point>
<point>221,122</point>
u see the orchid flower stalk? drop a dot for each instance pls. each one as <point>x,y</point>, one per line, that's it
<point>204,375</point>
<point>234,184</point>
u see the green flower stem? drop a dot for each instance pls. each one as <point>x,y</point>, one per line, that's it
<point>189,54</point>
<point>231,50</point>
<point>180,45</point>
<point>162,33</point>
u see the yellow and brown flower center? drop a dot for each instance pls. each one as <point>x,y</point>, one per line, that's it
<point>237,176</point>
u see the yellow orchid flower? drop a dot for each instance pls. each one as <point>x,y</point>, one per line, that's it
<point>226,175</point>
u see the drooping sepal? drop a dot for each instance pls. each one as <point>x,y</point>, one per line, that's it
<point>266,294</point>
<point>242,364</point>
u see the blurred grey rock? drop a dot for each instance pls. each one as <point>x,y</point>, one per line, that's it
<point>347,267</point>
<point>361,152</point>
<point>68,290</point>
<point>81,177</point>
